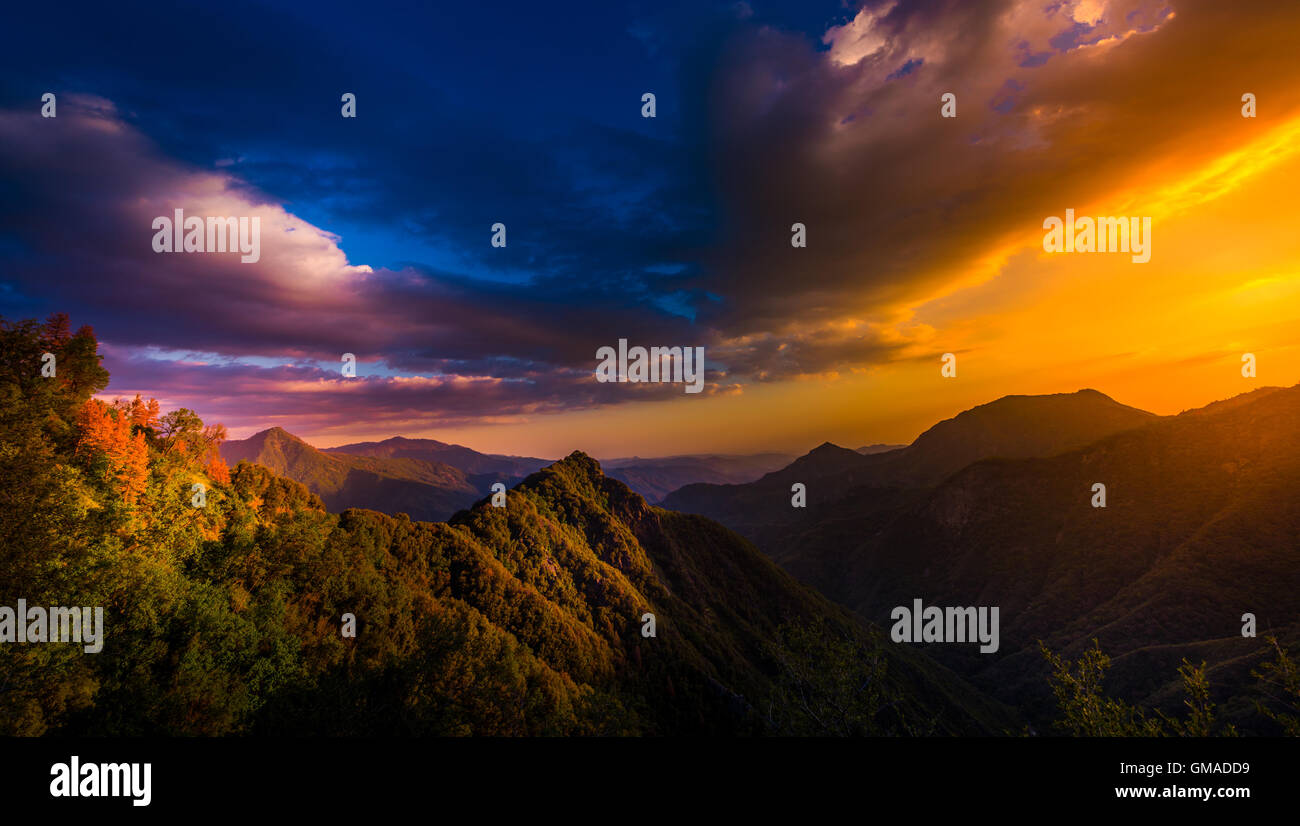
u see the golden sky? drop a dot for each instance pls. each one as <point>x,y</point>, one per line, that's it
<point>1164,336</point>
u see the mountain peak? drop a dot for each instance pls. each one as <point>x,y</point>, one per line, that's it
<point>1085,394</point>
<point>828,448</point>
<point>582,463</point>
<point>823,459</point>
<point>579,474</point>
<point>277,434</point>
<point>404,440</point>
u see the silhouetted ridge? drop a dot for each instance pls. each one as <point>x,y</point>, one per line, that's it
<point>1009,427</point>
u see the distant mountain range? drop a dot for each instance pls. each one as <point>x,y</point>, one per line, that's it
<point>424,489</point>
<point>656,478</point>
<point>464,459</point>
<point>878,448</point>
<point>994,507</point>
<point>1011,427</point>
<point>431,480</point>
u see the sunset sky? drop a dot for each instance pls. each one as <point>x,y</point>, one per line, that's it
<point>925,234</point>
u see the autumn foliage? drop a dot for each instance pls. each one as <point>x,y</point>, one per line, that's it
<point>106,437</point>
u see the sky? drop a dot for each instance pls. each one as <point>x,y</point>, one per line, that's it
<point>924,233</point>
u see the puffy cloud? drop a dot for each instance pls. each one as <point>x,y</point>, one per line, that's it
<point>857,39</point>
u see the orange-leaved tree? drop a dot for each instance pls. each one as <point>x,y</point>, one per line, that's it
<point>105,433</point>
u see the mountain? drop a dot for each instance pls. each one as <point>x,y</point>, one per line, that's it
<point>1201,525</point>
<point>652,478</point>
<point>424,489</point>
<point>578,541</point>
<point>431,480</point>
<point>574,609</point>
<point>530,619</point>
<point>468,461</point>
<point>656,478</point>
<point>1011,427</point>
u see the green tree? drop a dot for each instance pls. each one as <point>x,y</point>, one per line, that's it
<point>1200,709</point>
<point>1281,683</point>
<point>1087,712</point>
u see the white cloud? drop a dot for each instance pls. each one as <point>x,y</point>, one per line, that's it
<point>857,39</point>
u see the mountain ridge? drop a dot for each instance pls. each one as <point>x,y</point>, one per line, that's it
<point>469,461</point>
<point>1011,426</point>
<point>455,475</point>
<point>427,490</point>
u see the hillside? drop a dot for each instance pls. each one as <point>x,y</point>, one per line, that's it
<point>593,547</point>
<point>1202,525</point>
